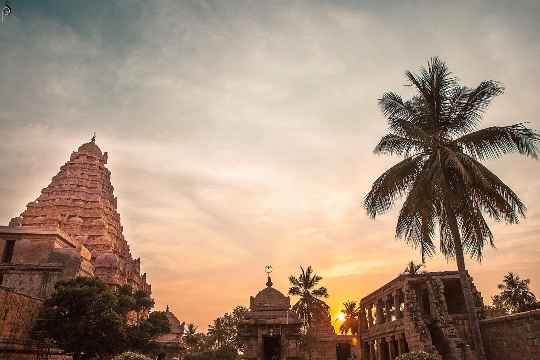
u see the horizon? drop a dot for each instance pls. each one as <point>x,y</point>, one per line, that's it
<point>242,136</point>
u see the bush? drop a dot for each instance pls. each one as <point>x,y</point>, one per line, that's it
<point>417,355</point>
<point>128,355</point>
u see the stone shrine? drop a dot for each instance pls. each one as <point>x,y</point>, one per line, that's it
<point>270,330</point>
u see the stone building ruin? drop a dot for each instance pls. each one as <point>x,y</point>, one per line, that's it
<point>424,312</point>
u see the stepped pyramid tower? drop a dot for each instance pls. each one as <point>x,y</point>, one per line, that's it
<point>80,203</point>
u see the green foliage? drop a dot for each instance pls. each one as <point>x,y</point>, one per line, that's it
<point>417,355</point>
<point>305,286</point>
<point>131,356</point>
<point>213,355</point>
<point>222,340</point>
<point>85,317</point>
<point>82,318</point>
<point>140,335</point>
<point>515,295</point>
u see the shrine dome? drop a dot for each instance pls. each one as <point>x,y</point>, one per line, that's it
<point>90,147</point>
<point>270,299</point>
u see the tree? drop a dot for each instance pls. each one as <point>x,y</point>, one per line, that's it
<point>190,337</point>
<point>441,175</point>
<point>413,269</point>
<point>515,294</point>
<point>140,336</point>
<point>305,286</point>
<point>351,322</point>
<point>82,318</point>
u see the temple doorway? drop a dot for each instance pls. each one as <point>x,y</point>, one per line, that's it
<point>272,348</point>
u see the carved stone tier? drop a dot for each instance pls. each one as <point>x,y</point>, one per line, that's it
<point>80,201</point>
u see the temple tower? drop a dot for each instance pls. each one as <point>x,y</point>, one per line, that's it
<point>80,201</point>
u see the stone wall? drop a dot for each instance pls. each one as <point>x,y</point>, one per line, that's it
<point>512,337</point>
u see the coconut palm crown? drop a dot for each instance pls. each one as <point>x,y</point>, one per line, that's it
<point>305,286</point>
<point>441,176</point>
<point>351,322</point>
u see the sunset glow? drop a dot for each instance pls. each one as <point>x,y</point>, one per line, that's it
<point>241,134</point>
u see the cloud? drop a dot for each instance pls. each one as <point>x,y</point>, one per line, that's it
<point>240,133</point>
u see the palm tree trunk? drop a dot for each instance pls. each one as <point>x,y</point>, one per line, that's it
<point>467,291</point>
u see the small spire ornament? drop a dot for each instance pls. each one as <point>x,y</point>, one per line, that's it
<point>268,271</point>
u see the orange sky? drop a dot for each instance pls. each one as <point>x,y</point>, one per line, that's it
<point>241,134</point>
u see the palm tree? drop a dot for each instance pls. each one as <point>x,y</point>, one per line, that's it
<point>413,269</point>
<point>515,293</point>
<point>190,337</point>
<point>305,286</point>
<point>351,322</point>
<point>441,174</point>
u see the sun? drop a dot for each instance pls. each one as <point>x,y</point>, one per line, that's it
<point>340,317</point>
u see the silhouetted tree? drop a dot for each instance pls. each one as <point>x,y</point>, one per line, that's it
<point>351,322</point>
<point>305,286</point>
<point>515,294</point>
<point>441,175</point>
<point>413,269</point>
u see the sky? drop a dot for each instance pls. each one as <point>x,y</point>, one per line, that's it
<point>241,133</point>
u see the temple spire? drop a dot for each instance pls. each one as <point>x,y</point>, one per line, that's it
<point>93,139</point>
<point>268,271</point>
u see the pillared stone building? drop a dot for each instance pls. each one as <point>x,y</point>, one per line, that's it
<point>72,229</point>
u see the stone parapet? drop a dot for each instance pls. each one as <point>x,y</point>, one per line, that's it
<point>512,337</point>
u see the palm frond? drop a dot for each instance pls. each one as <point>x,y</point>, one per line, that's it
<point>469,106</point>
<point>394,183</point>
<point>492,142</point>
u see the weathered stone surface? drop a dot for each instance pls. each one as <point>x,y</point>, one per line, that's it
<point>512,337</point>
<point>80,201</point>
<point>424,312</point>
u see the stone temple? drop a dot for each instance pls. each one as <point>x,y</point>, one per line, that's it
<point>72,229</point>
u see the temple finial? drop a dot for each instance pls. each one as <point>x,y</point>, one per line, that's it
<point>93,139</point>
<point>167,309</point>
<point>268,271</point>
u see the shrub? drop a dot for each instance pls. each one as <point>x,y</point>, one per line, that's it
<point>417,355</point>
<point>128,355</point>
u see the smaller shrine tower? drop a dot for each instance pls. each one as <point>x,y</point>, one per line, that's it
<point>270,330</point>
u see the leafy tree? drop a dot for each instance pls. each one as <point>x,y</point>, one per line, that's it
<point>441,175</point>
<point>128,355</point>
<point>413,269</point>
<point>82,318</point>
<point>515,294</point>
<point>218,332</point>
<point>417,355</point>
<point>140,336</point>
<point>305,286</point>
<point>190,337</point>
<point>351,322</point>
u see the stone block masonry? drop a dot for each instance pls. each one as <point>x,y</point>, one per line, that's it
<point>512,337</point>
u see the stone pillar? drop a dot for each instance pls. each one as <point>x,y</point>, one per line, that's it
<point>379,313</point>
<point>364,351</point>
<point>400,349</point>
<point>380,353</point>
<point>362,318</point>
<point>397,303</point>
<point>370,315</point>
<point>260,350</point>
<point>284,344</point>
<point>391,347</point>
